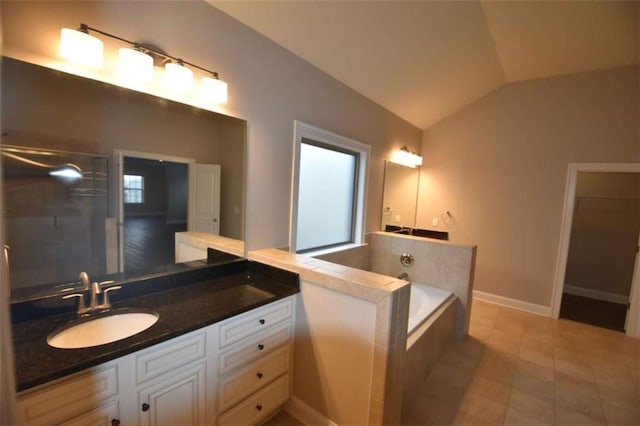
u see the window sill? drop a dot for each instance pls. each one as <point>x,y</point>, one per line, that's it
<point>335,249</point>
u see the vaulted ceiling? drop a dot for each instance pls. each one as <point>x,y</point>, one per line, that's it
<point>423,60</point>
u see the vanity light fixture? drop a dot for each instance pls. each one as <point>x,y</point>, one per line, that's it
<point>406,157</point>
<point>177,77</point>
<point>214,89</point>
<point>137,62</point>
<point>79,47</point>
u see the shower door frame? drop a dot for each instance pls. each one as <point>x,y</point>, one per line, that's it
<point>633,319</point>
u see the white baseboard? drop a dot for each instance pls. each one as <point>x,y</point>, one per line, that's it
<point>596,294</point>
<point>305,414</point>
<point>507,302</point>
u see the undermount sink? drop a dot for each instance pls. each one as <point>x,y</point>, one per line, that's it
<point>102,329</point>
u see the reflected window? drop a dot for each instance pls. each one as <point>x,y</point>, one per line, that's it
<point>133,189</point>
<point>330,185</point>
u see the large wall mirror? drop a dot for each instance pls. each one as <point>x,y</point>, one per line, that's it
<point>400,195</point>
<point>56,226</point>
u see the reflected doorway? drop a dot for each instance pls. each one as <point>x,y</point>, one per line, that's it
<point>155,197</point>
<point>153,204</point>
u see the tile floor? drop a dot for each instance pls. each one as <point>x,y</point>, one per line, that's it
<point>522,369</point>
<point>516,368</point>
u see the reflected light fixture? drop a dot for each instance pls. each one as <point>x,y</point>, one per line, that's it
<point>136,62</point>
<point>67,172</point>
<point>406,157</point>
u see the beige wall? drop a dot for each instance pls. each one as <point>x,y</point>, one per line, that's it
<point>604,232</point>
<point>499,165</point>
<point>335,347</point>
<point>268,86</point>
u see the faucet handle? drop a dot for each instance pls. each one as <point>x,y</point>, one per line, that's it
<point>84,277</point>
<point>105,298</point>
<point>81,306</point>
<point>101,283</point>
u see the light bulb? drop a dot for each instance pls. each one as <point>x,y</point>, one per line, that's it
<point>213,90</point>
<point>178,77</point>
<point>406,158</point>
<point>135,65</point>
<point>81,48</point>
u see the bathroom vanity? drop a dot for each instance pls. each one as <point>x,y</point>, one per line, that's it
<point>220,353</point>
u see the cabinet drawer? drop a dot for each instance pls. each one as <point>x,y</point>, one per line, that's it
<point>168,356</point>
<point>259,405</point>
<point>67,399</point>
<point>253,321</point>
<point>102,416</point>
<point>244,383</point>
<point>254,348</point>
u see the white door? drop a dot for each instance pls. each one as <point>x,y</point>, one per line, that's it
<point>204,200</point>
<point>178,399</point>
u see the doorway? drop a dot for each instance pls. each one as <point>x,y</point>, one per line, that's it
<point>597,262</point>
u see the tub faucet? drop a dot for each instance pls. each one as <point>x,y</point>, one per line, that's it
<point>404,276</point>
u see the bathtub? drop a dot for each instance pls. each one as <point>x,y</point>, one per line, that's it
<point>423,302</point>
<point>431,330</point>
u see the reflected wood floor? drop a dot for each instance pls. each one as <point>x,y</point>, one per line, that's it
<point>149,242</point>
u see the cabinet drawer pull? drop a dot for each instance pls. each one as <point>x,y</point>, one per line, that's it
<point>115,422</point>
<point>260,346</point>
<point>261,321</point>
<point>259,375</point>
<point>259,407</point>
<point>145,407</point>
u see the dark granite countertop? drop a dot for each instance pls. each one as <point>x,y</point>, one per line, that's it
<point>182,308</point>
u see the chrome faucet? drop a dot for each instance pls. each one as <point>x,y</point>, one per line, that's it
<point>94,289</point>
<point>404,276</point>
<point>84,277</point>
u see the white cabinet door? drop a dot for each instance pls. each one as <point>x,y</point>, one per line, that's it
<point>204,198</point>
<point>178,399</point>
<point>70,398</point>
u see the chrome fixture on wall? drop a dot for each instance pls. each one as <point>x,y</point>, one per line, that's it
<point>406,259</point>
<point>137,61</point>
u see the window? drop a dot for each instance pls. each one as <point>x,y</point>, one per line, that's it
<point>133,189</point>
<point>329,186</point>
